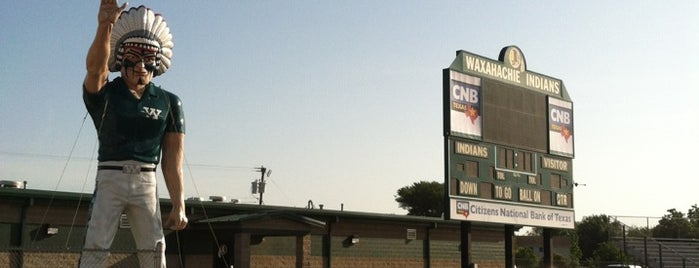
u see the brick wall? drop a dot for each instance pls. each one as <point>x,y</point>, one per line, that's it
<point>376,262</point>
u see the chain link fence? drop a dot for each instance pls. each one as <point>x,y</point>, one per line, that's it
<point>637,225</point>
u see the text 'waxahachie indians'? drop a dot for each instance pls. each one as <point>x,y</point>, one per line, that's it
<point>342,97</point>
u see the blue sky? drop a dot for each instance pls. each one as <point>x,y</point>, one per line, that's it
<point>342,99</point>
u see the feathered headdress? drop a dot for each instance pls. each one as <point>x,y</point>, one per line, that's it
<point>141,27</point>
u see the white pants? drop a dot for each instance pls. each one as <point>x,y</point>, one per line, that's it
<point>135,193</point>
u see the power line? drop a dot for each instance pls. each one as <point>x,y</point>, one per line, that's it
<point>221,166</point>
<point>35,155</point>
<point>62,157</point>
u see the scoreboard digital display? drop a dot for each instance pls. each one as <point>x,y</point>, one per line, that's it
<point>508,143</point>
<point>515,117</point>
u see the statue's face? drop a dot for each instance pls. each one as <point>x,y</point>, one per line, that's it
<point>138,65</point>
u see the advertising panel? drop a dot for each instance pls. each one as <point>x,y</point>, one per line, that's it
<point>494,212</point>
<point>465,105</point>
<point>560,127</point>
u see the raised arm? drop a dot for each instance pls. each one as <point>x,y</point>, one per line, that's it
<point>98,55</point>
<point>173,154</point>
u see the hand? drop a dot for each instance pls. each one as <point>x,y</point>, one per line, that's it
<point>177,220</point>
<point>110,11</point>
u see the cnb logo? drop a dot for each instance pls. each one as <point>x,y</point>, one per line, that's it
<point>560,116</point>
<point>462,208</point>
<point>464,93</point>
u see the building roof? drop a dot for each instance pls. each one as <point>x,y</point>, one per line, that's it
<point>239,212</point>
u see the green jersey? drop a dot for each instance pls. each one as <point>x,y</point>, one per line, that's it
<point>129,128</point>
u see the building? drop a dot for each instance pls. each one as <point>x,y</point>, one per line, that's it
<point>46,229</point>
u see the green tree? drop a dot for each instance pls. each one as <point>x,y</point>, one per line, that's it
<point>539,231</point>
<point>606,253</point>
<point>632,231</point>
<point>595,230</point>
<point>422,198</point>
<point>693,216</point>
<point>575,252</point>
<point>674,225</point>
<point>572,235</point>
<point>560,261</point>
<point>525,258</point>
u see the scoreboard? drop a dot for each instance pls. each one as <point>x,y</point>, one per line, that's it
<point>508,143</point>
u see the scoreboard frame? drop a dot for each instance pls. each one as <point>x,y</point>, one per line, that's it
<point>508,143</point>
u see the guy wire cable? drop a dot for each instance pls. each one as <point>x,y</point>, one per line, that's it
<point>77,208</point>
<point>82,191</point>
<point>60,178</point>
<point>196,189</point>
<point>201,204</point>
<point>92,158</point>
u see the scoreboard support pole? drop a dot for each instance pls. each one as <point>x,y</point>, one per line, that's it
<point>509,246</point>
<point>548,248</point>
<point>465,244</point>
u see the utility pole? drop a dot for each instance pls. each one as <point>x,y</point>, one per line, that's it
<point>264,172</point>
